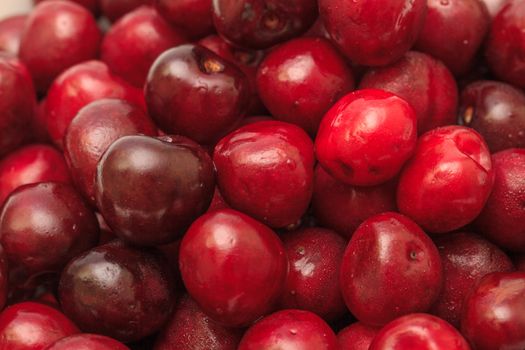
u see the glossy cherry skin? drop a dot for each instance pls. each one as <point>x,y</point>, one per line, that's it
<point>497,111</point>
<point>373,32</point>
<point>419,331</point>
<point>357,336</point>
<point>265,170</point>
<point>79,86</point>
<point>193,92</point>
<point>260,24</point>
<point>366,137</point>
<point>314,255</point>
<point>11,29</point>
<point>33,326</point>
<point>462,42</point>
<point>190,328</point>
<point>422,81</point>
<point>118,291</point>
<point>448,181</point>
<point>466,258</point>
<point>93,130</point>
<point>58,35</point>
<point>390,268</point>
<point>31,164</point>
<point>87,341</point>
<point>114,9</point>
<point>179,171</point>
<point>129,49</point>
<point>194,17</point>
<point>223,241</point>
<point>493,315</point>
<point>505,47</point>
<point>301,79</point>
<point>501,220</point>
<point>290,329</point>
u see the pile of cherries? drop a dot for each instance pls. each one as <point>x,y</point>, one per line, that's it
<point>263,174</point>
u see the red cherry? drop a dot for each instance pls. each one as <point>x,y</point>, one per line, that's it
<point>87,342</point>
<point>4,278</point>
<point>357,336</point>
<point>194,17</point>
<point>91,5</point>
<point>11,29</point>
<point>114,9</point>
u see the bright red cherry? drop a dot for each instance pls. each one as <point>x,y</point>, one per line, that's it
<point>194,17</point>
<point>11,29</point>
<point>114,9</point>
<point>448,181</point>
<point>87,341</point>
<point>390,268</point>
<point>357,336</point>
<point>224,241</point>
<point>366,137</point>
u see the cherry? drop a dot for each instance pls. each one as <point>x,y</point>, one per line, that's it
<point>58,35</point>
<point>301,79</point>
<point>91,5</point>
<point>224,241</point>
<point>373,32</point>
<point>194,17</point>
<point>93,130</point>
<point>4,278</point>
<point>195,93</point>
<point>260,24</point>
<point>265,170</point>
<point>190,328</point>
<point>118,291</point>
<point>357,336</point>
<point>422,81</point>
<point>519,262</point>
<point>502,218</point>
<point>390,268</point>
<point>87,342</point>
<point>366,137</point>
<point>466,258</point>
<point>419,331</point>
<point>290,329</point>
<point>493,315</point>
<point>448,181</point>
<point>343,207</point>
<point>134,42</point>
<point>462,42</point>
<point>31,164</point>
<point>33,326</point>
<point>505,47</point>
<point>114,9</point>
<point>11,29</point>
<point>495,110</point>
<point>314,256</point>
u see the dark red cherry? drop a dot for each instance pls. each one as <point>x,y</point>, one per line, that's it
<point>265,170</point>
<point>190,328</point>
<point>421,332</point>
<point>11,29</point>
<point>114,9</point>
<point>314,256</point>
<point>58,35</point>
<point>233,266</point>
<point>390,268</point>
<point>301,79</point>
<point>493,316</point>
<point>168,183</point>
<point>448,181</point>
<point>357,336</point>
<point>373,32</point>
<point>194,17</point>
<point>193,92</point>
<point>118,291</point>
<point>422,81</point>
<point>33,326</point>
<point>4,278</point>
<point>502,218</point>
<point>462,42</point>
<point>260,24</point>
<point>93,130</point>
<point>290,329</point>
<point>87,341</point>
<point>466,258</point>
<point>31,164</point>
<point>495,110</point>
<point>366,137</point>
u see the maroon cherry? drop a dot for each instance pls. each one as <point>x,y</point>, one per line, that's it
<point>290,329</point>
<point>224,241</point>
<point>118,291</point>
<point>493,315</point>
<point>390,268</point>
<point>194,17</point>
<point>301,79</point>
<point>366,137</point>
<point>448,181</point>
<point>11,29</point>
<point>373,32</point>
<point>357,336</point>
<point>265,170</point>
<point>114,9</point>
<point>87,342</point>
